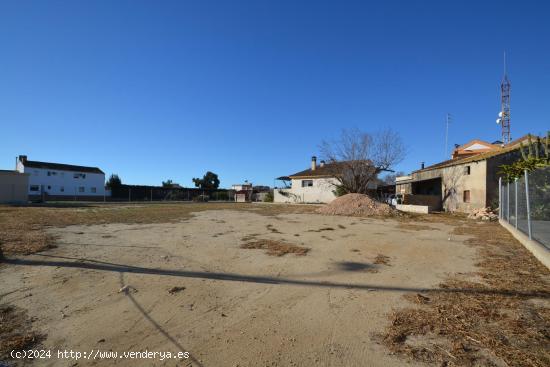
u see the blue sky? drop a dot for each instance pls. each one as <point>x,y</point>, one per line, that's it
<point>153,90</point>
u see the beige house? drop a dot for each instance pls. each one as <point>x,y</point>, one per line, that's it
<point>313,185</point>
<point>13,187</point>
<point>463,183</point>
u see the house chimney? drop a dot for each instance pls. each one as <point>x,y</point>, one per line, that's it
<point>322,164</point>
<point>23,159</point>
<point>421,165</point>
<point>313,163</point>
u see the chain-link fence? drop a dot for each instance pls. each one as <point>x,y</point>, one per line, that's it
<point>525,204</point>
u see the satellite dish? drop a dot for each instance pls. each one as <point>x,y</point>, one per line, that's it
<point>498,121</point>
<point>500,114</point>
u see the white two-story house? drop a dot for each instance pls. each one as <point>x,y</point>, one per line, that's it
<point>56,181</point>
<point>317,184</point>
<point>314,185</point>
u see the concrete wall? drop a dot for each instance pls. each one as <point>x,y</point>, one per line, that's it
<point>320,192</point>
<point>422,209</point>
<point>433,201</point>
<point>403,188</point>
<point>455,181</point>
<point>240,198</point>
<point>13,187</point>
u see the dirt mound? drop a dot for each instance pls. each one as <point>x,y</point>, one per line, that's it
<point>358,205</point>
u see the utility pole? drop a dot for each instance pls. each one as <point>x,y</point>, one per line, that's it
<point>448,119</point>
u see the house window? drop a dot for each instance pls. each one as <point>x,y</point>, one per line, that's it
<point>307,183</point>
<point>93,190</point>
<point>62,188</point>
<point>81,189</point>
<point>79,175</point>
<point>49,187</point>
<point>35,188</point>
<point>467,170</point>
<point>466,196</point>
<point>52,173</point>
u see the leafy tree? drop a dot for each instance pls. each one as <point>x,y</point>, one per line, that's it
<point>210,180</point>
<point>168,183</point>
<point>536,156</point>
<point>114,182</point>
<point>535,159</point>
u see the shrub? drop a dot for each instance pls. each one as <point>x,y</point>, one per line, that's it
<point>268,197</point>
<point>201,198</point>
<point>220,195</point>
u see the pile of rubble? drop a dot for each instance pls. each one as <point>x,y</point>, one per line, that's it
<point>483,214</point>
<point>356,205</point>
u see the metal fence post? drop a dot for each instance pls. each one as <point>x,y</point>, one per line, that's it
<point>528,204</point>
<point>516,200</point>
<point>508,202</point>
<point>500,197</point>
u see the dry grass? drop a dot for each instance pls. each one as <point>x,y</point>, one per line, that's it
<point>415,227</point>
<point>321,229</point>
<point>502,320</point>
<point>382,260</point>
<point>175,290</point>
<point>22,228</point>
<point>15,331</point>
<point>276,248</point>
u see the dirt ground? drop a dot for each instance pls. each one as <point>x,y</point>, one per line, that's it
<point>191,284</point>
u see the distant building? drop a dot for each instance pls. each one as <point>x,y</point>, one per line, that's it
<point>241,187</point>
<point>248,192</point>
<point>57,181</point>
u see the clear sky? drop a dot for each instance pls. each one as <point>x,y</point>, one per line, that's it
<point>153,90</point>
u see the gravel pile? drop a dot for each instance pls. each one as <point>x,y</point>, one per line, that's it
<point>357,205</point>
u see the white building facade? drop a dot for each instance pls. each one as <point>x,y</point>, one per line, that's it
<point>307,190</point>
<point>56,181</point>
<point>314,185</point>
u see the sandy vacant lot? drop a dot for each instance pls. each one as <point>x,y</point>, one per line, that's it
<point>189,286</point>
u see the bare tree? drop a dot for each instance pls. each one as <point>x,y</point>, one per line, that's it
<point>358,157</point>
<point>389,179</point>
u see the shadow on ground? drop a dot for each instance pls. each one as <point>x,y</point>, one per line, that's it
<point>82,263</point>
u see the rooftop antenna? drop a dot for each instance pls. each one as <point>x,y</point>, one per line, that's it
<point>504,114</point>
<point>448,120</point>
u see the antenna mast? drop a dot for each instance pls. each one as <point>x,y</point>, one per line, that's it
<point>504,115</point>
<point>447,121</point>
